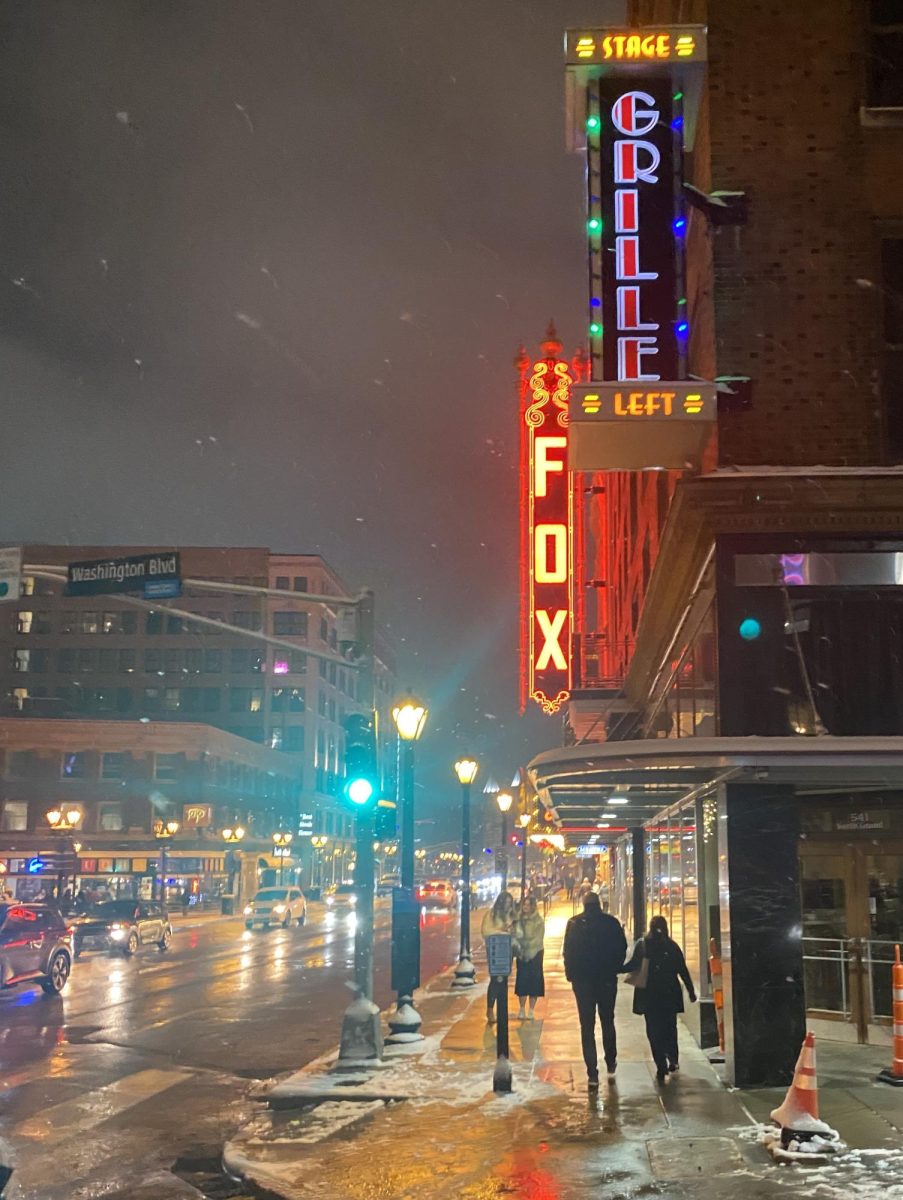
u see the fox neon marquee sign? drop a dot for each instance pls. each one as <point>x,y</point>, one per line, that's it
<point>548,521</point>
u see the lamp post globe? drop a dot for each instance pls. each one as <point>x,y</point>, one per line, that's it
<point>465,975</point>
<point>504,800</point>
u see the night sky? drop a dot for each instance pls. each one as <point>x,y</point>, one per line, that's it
<point>265,266</point>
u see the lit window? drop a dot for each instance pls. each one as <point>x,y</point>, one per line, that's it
<point>14,816</point>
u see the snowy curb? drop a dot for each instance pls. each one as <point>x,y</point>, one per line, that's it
<point>813,1142</point>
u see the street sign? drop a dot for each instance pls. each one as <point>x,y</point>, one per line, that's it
<point>131,574</point>
<point>499,953</point>
<point>10,573</point>
<point>587,851</point>
<point>162,589</point>
<point>641,403</point>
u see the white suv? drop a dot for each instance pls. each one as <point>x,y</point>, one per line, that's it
<point>276,906</point>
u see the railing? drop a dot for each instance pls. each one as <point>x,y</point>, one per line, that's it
<point>832,966</point>
<point>600,663</point>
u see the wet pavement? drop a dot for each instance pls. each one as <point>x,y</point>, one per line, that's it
<point>148,1062</point>
<point>550,1139</point>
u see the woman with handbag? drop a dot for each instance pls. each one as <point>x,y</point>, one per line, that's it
<point>499,919</point>
<point>655,970</point>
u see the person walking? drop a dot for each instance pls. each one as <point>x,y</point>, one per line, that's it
<point>594,952</point>
<point>529,936</point>
<point>658,997</point>
<point>499,919</point>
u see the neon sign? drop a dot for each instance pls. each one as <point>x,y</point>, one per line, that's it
<point>548,521</point>
<point>672,43</point>
<point>660,402</point>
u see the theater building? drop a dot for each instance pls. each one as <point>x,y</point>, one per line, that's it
<point>731,686</point>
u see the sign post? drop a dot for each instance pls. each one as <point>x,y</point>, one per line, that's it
<point>499,953</point>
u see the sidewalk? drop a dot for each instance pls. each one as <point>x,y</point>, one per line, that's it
<point>428,1123</point>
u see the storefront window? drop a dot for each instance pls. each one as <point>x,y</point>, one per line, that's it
<point>690,891</point>
<point>674,887</point>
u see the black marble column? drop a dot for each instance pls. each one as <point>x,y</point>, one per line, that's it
<point>639,884</point>
<point>761,932</point>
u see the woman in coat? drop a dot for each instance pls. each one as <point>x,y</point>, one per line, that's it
<point>529,935</point>
<point>660,999</point>
<point>499,919</point>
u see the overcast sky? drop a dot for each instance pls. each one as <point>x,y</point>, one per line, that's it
<point>265,266</point>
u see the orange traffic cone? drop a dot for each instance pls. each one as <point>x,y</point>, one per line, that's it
<point>894,1074</point>
<point>802,1095</point>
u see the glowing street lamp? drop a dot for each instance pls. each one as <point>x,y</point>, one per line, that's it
<point>465,975</point>
<point>409,715</point>
<point>319,841</point>
<point>63,819</point>
<point>282,839</point>
<point>504,800</point>
<point>164,831</point>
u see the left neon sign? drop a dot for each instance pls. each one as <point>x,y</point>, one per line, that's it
<point>548,517</point>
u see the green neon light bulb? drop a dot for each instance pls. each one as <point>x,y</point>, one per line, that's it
<point>594,225</point>
<point>682,300</point>
<point>595,329</point>
<point>678,95</point>
<point>593,124</point>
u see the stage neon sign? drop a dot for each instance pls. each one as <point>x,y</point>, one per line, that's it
<point>548,519</point>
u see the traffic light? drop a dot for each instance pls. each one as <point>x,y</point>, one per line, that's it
<point>361,774</point>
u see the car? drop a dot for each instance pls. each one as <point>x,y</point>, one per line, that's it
<point>341,895</point>
<point>123,926</point>
<point>276,906</point>
<point>436,893</point>
<point>35,947</point>
<point>387,885</point>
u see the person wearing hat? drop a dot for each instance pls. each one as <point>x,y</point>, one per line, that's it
<point>594,951</point>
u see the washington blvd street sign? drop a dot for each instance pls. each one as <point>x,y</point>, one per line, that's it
<point>138,573</point>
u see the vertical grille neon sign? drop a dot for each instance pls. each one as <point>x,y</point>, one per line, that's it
<point>548,517</point>
<point>638,321</point>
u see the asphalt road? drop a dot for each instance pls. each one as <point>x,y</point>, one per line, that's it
<point>147,1063</point>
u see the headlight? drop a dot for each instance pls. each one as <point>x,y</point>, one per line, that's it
<point>118,932</point>
<point>353,900</point>
<point>279,908</point>
<point>249,908</point>
<point>330,900</point>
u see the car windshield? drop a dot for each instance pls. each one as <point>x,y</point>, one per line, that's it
<point>271,894</point>
<point>113,909</point>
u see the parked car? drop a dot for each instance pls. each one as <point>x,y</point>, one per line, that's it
<point>387,885</point>
<point>123,926</point>
<point>341,895</point>
<point>35,947</point>
<point>436,893</point>
<point>276,906</point>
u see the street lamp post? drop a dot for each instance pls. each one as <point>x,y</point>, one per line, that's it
<point>465,975</point>
<point>232,835</point>
<point>409,716</point>
<point>63,821</point>
<point>504,800</point>
<point>524,821</point>
<point>282,840</point>
<point>318,841</point>
<point>164,831</point>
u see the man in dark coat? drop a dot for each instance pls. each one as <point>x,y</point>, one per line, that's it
<point>594,951</point>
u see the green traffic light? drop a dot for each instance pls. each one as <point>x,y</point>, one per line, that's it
<point>360,791</point>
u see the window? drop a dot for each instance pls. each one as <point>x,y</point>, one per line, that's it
<point>276,739</point>
<point>293,739</point>
<point>21,661</point>
<point>324,629</point>
<point>168,766</point>
<point>19,764</point>
<point>40,660</point>
<point>324,668</point>
<point>277,700</point>
<point>75,764</point>
<point>243,661</point>
<point>14,816</point>
<point>321,704</point>
<point>24,621</point>
<point>112,766</point>
<point>127,660</point>
<point>299,584</point>
<point>211,700</point>
<point>191,700</point>
<point>173,624</point>
<point>107,660</point>
<point>152,700</point>
<point>87,660</point>
<point>282,582</point>
<point>290,624</point>
<point>296,700</point>
<point>332,710</point>
<point>297,662</point>
<point>332,673</point>
<point>194,661</point>
<point>172,699</point>
<point>892,367</point>
<point>172,660</point>
<point>153,661</point>
<point>333,638</point>
<point>88,622</point>
<point>33,622</point>
<point>123,699</point>
<point>109,622</point>
<point>109,817</point>
<point>885,55</point>
<point>153,622</point>
<point>247,620</point>
<point>128,622</point>
<point>213,661</point>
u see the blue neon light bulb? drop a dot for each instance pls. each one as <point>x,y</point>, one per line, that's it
<point>680,225</point>
<point>596,302</point>
<point>682,328</point>
<point>677,123</point>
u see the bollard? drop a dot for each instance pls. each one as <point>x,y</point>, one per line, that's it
<point>894,1073</point>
